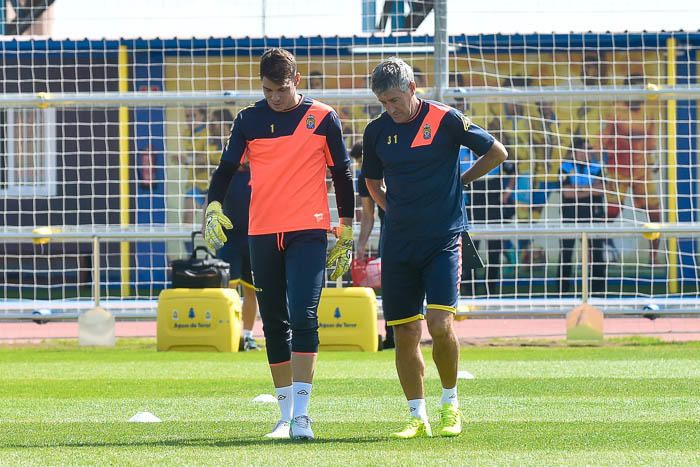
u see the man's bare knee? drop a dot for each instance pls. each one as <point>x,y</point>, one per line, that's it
<point>407,333</point>
<point>439,323</point>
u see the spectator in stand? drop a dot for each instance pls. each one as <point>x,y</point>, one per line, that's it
<point>582,201</point>
<point>316,80</point>
<point>630,141</point>
<point>489,200</point>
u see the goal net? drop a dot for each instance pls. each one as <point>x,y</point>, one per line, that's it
<point>111,141</point>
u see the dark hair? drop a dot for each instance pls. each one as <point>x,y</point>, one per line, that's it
<point>278,65</point>
<point>356,151</point>
<point>222,115</point>
<point>580,142</point>
<point>315,75</point>
<point>201,111</point>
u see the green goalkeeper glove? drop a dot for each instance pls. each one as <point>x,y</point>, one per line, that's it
<point>341,254</point>
<point>214,225</point>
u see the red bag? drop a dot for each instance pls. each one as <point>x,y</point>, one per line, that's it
<point>367,272</point>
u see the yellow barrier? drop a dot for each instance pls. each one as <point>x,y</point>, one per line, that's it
<point>347,319</point>
<point>199,320</point>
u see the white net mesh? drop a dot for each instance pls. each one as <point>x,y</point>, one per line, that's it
<point>585,149</point>
<point>600,129</point>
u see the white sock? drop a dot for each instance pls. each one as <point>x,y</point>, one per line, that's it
<point>284,401</point>
<point>449,396</point>
<point>247,333</point>
<point>417,408</point>
<point>302,394</point>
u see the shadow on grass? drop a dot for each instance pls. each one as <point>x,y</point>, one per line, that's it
<point>503,435</point>
<point>197,442</point>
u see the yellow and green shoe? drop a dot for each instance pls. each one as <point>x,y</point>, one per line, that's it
<point>416,428</point>
<point>450,421</point>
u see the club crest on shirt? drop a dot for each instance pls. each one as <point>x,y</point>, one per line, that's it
<point>427,131</point>
<point>310,122</point>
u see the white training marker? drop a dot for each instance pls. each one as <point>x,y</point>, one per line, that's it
<point>265,399</point>
<point>144,417</point>
<point>464,374</point>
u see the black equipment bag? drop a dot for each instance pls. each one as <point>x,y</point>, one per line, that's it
<point>199,273</point>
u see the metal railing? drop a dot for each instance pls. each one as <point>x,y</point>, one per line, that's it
<point>144,309</point>
<point>356,96</point>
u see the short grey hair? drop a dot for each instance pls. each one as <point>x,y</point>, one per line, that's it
<point>392,73</point>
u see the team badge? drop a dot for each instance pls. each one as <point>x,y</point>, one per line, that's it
<point>427,132</point>
<point>310,122</point>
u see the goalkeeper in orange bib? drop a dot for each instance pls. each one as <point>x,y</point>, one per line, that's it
<point>289,140</point>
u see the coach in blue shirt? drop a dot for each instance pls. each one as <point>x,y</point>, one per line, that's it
<point>414,147</point>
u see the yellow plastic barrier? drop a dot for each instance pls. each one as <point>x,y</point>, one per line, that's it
<point>347,319</point>
<point>199,320</point>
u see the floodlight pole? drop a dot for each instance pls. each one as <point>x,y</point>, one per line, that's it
<point>441,42</point>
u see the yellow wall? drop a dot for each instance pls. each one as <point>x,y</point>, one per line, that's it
<point>218,74</point>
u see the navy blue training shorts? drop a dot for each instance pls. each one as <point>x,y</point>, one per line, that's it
<point>414,270</point>
<point>288,273</point>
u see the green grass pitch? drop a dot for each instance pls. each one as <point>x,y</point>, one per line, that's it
<point>616,404</point>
